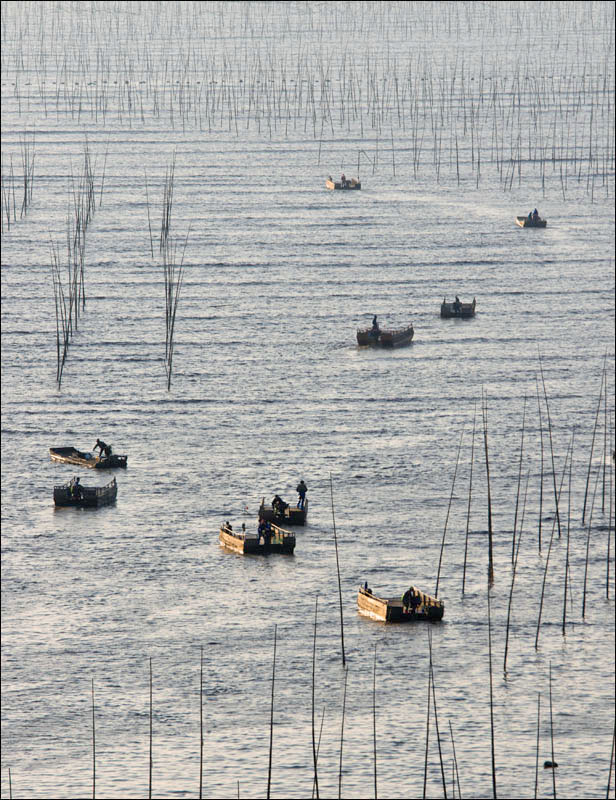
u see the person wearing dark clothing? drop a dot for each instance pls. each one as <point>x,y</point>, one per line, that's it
<point>457,305</point>
<point>100,445</point>
<point>410,601</point>
<point>267,534</point>
<point>107,450</point>
<point>76,491</point>
<point>375,330</point>
<point>301,489</point>
<point>279,505</point>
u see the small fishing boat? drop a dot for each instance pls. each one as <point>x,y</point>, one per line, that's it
<point>397,338</point>
<point>74,494</point>
<point>350,183</point>
<point>290,515</point>
<point>70,455</point>
<point>243,541</point>
<point>457,309</point>
<point>529,222</point>
<point>417,606</point>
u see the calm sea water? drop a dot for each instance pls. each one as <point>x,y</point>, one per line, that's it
<point>462,116</point>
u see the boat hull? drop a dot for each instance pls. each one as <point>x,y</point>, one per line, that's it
<point>346,186</point>
<point>386,339</point>
<point>293,515</point>
<point>525,222</point>
<point>465,311</point>
<point>251,543</point>
<point>392,609</point>
<point>70,455</point>
<point>91,497</point>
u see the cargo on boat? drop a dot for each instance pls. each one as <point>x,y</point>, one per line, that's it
<point>259,540</point>
<point>458,309</point>
<point>371,337</point>
<point>70,455</point>
<point>412,606</point>
<point>74,494</point>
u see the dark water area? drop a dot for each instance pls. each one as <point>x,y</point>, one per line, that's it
<point>462,116</point>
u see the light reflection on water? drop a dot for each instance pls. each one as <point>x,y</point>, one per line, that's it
<point>269,387</point>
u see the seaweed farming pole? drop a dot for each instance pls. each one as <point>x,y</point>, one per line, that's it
<point>374,719</point>
<point>568,538</point>
<point>517,497</point>
<point>331,488</point>
<point>537,747</point>
<point>438,735</point>
<point>592,445</point>
<point>609,518</point>
<point>93,746</point>
<point>553,763</point>
<point>269,768</point>
<point>150,772</point>
<point>547,559</point>
<point>470,489</point>
<point>453,483</point>
<point>314,659</point>
<point>513,574</point>
<point>547,408</point>
<point>484,408</point>
<point>609,777</point>
<point>491,699</point>
<point>592,506</point>
<point>427,725</point>
<point>201,728</point>
<point>346,675</point>
<point>541,470</point>
<point>455,761</point>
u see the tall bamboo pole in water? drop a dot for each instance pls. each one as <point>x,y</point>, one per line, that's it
<point>541,471</point>
<point>517,497</point>
<point>331,487</point>
<point>491,700</point>
<point>568,538</point>
<point>513,574</point>
<point>374,719</point>
<point>314,658</point>
<point>427,726</point>
<point>547,408</point>
<point>453,483</point>
<point>553,767</point>
<point>537,748</point>
<point>468,510</point>
<point>485,442</point>
<point>438,735</point>
<point>150,774</point>
<point>201,727</point>
<point>592,445</point>
<point>269,769</point>
<point>346,675</point>
<point>93,747</point>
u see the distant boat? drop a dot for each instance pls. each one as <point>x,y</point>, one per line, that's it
<point>529,222</point>
<point>398,338</point>
<point>70,455</point>
<point>85,496</point>
<point>457,309</point>
<point>422,607</point>
<point>243,541</point>
<point>350,183</point>
<point>291,515</point>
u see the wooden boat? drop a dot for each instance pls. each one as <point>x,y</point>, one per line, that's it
<point>243,541</point>
<point>70,455</point>
<point>350,183</point>
<point>528,222</point>
<point>398,338</point>
<point>292,515</point>
<point>465,310</point>
<point>88,497</point>
<point>393,609</point>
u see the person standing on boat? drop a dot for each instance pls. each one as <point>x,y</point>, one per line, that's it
<point>100,445</point>
<point>375,330</point>
<point>457,305</point>
<point>301,489</point>
<point>535,216</point>
<point>76,488</point>
<point>343,180</point>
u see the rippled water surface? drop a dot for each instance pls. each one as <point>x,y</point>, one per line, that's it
<point>462,116</point>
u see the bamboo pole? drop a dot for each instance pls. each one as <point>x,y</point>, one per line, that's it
<point>453,483</point>
<point>269,768</point>
<point>93,746</point>
<point>491,700</point>
<point>517,496</point>
<point>374,720</point>
<point>314,659</point>
<point>485,442</point>
<point>346,674</point>
<point>553,767</point>
<point>592,445</point>
<point>468,510</point>
<point>537,747</point>
<point>331,488</point>
<point>547,407</point>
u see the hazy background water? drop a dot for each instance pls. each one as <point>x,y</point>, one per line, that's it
<point>482,111</point>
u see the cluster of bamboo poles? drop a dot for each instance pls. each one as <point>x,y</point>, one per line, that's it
<point>545,120</point>
<point>69,279</point>
<point>8,184</point>
<point>173,271</point>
